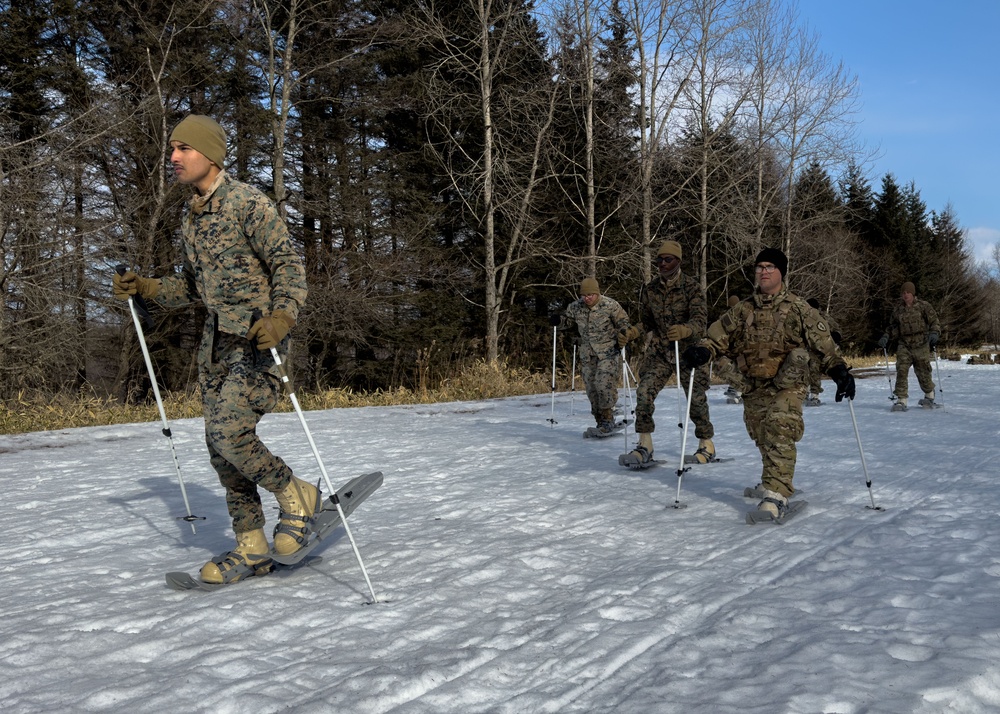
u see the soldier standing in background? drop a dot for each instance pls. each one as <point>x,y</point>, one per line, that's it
<point>598,320</point>
<point>727,372</point>
<point>240,262</point>
<point>770,337</point>
<point>815,372</point>
<point>915,324</point>
<point>672,309</point>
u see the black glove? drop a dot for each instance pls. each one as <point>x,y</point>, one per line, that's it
<point>883,341</point>
<point>845,382</point>
<point>932,338</point>
<point>555,319</point>
<point>695,356</point>
<point>836,337</point>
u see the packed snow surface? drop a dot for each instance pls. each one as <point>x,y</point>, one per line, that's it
<point>518,568</point>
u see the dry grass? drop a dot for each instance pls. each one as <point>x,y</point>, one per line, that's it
<point>29,413</point>
<point>479,380</point>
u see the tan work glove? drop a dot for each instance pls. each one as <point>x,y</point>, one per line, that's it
<point>128,284</point>
<point>676,333</point>
<point>626,336</point>
<point>270,331</point>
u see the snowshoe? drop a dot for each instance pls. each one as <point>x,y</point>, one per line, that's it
<point>639,458</point>
<point>812,401</point>
<point>766,516</point>
<point>899,407</point>
<point>704,455</point>
<point>250,557</point>
<point>603,430</point>
<point>773,506</point>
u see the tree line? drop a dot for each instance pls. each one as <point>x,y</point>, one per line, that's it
<point>449,169</point>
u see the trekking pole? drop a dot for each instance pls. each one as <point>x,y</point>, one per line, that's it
<point>628,393</point>
<point>680,390</point>
<point>552,407</point>
<point>864,464</point>
<point>326,477</point>
<point>134,309</point>
<point>628,389</point>
<point>892,397</point>
<point>572,385</point>
<point>937,368</point>
<point>681,468</point>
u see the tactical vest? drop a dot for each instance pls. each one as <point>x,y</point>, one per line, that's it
<point>764,346</point>
<point>912,322</point>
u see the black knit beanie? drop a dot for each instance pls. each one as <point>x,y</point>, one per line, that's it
<point>773,255</point>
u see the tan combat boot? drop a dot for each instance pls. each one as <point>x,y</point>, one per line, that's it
<point>774,503</point>
<point>299,500</point>
<point>705,452</point>
<point>641,456</point>
<point>251,556</point>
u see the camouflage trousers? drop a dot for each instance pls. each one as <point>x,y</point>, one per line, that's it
<point>601,376</point>
<point>236,394</point>
<point>920,359</point>
<point>773,418</point>
<point>653,377</point>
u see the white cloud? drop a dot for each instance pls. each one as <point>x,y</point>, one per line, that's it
<point>982,240</point>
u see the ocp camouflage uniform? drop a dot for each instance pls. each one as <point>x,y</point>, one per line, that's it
<point>911,325</point>
<point>815,369</point>
<point>770,339</point>
<point>599,355</point>
<point>662,305</point>
<point>238,260</point>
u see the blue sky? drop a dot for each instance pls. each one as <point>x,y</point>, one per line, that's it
<point>929,76</point>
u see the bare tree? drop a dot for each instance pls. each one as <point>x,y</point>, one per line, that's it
<point>662,31</point>
<point>486,74</point>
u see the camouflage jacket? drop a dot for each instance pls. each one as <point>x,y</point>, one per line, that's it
<point>910,325</point>
<point>662,305</point>
<point>238,258</point>
<point>758,333</point>
<point>598,326</point>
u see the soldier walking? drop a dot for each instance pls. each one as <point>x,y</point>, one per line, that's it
<point>672,309</point>
<point>915,325</point>
<point>769,337</point>
<point>240,262</point>
<point>598,320</point>
<point>815,372</point>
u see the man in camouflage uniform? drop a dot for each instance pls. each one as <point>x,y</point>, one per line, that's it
<point>915,324</point>
<point>598,320</point>
<point>770,337</point>
<point>815,371</point>
<point>672,310</point>
<point>240,262</point>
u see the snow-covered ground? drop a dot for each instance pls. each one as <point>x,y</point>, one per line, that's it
<point>520,569</point>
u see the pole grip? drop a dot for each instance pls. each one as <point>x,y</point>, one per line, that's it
<point>140,303</point>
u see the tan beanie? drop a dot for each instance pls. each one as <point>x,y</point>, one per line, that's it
<point>908,288</point>
<point>204,135</point>
<point>670,247</point>
<point>589,286</point>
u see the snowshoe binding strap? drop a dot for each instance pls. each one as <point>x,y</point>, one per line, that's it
<point>236,566</point>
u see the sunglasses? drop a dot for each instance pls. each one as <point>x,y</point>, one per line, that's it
<point>665,259</point>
